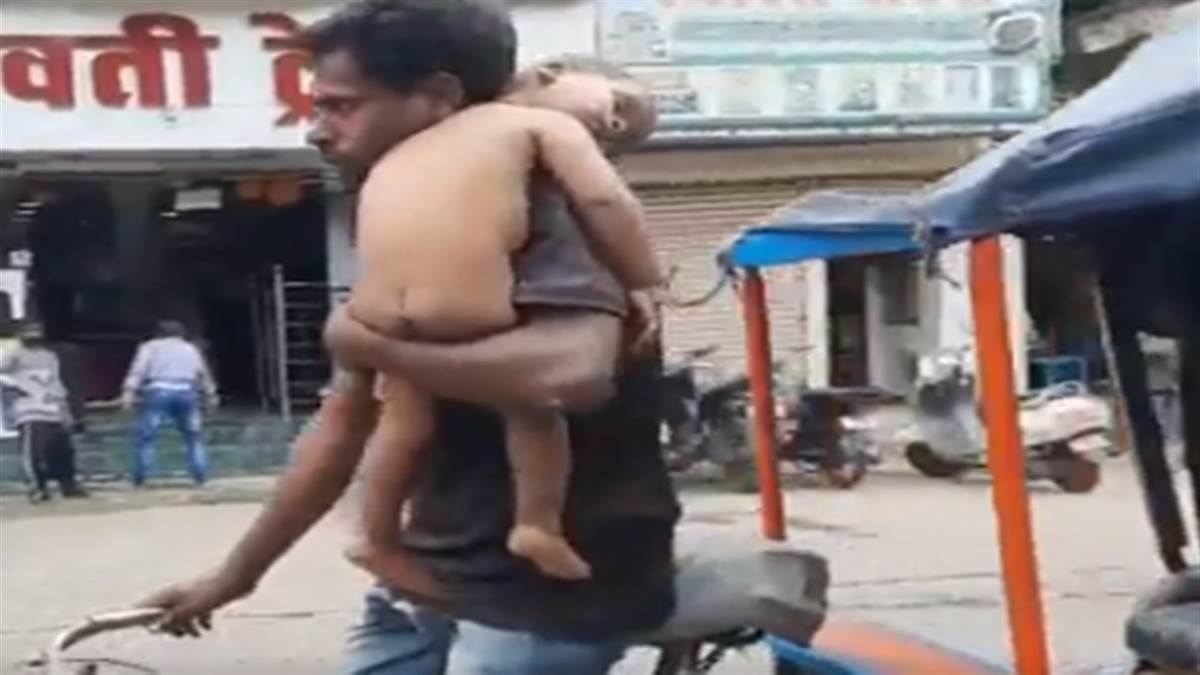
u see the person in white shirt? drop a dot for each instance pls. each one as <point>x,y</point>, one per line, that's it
<point>169,378</point>
<point>41,411</point>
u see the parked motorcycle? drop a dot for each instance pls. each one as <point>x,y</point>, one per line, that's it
<point>1065,428</point>
<point>827,431</point>
<point>704,418</point>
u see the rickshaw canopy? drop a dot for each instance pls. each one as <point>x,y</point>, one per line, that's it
<point>1131,143</point>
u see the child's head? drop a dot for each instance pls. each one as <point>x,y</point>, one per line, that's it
<point>605,97</point>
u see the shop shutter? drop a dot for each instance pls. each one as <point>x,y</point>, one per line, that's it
<point>689,224</point>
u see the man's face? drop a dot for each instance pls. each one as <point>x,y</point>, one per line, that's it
<point>359,119</point>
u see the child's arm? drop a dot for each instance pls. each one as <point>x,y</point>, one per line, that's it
<point>609,211</point>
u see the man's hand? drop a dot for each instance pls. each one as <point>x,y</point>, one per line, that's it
<point>644,324</point>
<point>189,606</point>
<point>128,400</point>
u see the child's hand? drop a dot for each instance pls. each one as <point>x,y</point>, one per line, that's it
<point>644,324</point>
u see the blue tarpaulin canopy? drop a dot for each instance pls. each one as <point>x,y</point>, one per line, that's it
<point>1130,144</point>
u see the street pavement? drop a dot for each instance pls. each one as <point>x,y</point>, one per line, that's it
<point>905,551</point>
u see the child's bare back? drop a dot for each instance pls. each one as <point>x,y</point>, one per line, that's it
<point>441,214</point>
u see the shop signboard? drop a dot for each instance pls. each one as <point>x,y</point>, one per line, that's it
<point>770,68</point>
<point>83,76</point>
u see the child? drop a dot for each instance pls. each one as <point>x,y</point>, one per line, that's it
<point>440,216</point>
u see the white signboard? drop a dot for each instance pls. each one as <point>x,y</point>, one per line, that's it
<point>815,66</point>
<point>178,75</point>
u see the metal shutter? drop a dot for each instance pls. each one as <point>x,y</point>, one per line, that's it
<point>689,224</point>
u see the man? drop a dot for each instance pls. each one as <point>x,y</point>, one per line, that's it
<point>386,69</point>
<point>42,414</point>
<point>168,375</point>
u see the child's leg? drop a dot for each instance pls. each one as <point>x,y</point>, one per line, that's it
<point>390,470</point>
<point>540,455</point>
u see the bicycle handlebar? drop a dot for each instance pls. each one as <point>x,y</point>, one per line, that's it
<point>95,625</point>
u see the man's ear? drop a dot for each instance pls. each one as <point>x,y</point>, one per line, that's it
<point>445,88</point>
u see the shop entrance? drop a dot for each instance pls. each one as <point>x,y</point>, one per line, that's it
<point>113,256</point>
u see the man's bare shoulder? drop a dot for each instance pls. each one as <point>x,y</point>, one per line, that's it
<point>487,126</point>
<point>508,118</point>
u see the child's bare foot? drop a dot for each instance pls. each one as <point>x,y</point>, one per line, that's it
<point>549,552</point>
<point>395,569</point>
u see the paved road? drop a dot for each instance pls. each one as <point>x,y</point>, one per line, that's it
<point>905,551</point>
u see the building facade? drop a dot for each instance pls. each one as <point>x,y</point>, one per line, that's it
<point>152,159</point>
<point>761,101</point>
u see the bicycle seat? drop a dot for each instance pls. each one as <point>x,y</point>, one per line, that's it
<point>778,590</point>
<point>1163,629</point>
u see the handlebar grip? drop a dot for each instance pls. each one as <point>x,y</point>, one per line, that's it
<point>95,625</point>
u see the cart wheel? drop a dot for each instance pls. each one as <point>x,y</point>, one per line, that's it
<point>922,458</point>
<point>847,475</point>
<point>1080,476</point>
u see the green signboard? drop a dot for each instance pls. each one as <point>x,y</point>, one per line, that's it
<point>770,68</point>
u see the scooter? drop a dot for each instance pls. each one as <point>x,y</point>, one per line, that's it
<point>1065,428</point>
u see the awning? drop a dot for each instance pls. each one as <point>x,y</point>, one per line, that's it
<point>1130,144</point>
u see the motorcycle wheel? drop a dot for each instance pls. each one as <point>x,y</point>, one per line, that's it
<point>923,458</point>
<point>1080,477</point>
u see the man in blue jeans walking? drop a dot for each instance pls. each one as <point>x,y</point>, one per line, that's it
<point>169,376</point>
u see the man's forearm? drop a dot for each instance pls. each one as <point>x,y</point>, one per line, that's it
<point>323,465</point>
<point>555,358</point>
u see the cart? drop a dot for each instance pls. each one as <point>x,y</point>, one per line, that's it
<point>1118,169</point>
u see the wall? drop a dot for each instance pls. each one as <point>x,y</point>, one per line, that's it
<point>946,322</point>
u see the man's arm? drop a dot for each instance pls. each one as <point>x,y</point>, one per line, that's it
<point>609,212</point>
<point>554,359</point>
<point>204,376</point>
<point>322,465</point>
<point>137,371</point>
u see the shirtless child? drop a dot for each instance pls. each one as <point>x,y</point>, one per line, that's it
<point>440,216</point>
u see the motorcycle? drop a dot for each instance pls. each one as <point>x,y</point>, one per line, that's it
<point>829,431</point>
<point>706,423</point>
<point>1065,428</point>
<point>703,417</point>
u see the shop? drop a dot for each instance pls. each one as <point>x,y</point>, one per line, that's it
<point>761,101</point>
<point>153,164</point>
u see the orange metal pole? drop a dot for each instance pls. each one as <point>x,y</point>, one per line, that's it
<point>1006,458</point>
<point>758,358</point>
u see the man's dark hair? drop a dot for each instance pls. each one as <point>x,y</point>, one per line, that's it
<point>398,43</point>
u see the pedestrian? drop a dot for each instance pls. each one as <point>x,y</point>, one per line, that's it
<point>42,414</point>
<point>169,378</point>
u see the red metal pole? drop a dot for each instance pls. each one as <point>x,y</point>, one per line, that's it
<point>758,358</point>
<point>1006,458</point>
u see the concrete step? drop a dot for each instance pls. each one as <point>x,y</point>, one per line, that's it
<point>237,443</point>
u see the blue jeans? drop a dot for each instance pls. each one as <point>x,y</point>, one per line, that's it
<point>396,638</point>
<point>183,408</point>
